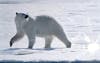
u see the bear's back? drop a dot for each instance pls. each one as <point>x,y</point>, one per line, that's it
<point>46,24</point>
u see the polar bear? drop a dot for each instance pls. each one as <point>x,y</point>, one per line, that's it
<point>43,26</point>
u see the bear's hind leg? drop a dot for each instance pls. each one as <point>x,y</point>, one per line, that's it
<point>63,38</point>
<point>48,41</point>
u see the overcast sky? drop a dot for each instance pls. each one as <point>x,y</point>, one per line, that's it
<point>33,1</point>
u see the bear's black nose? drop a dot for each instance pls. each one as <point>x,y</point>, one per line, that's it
<point>26,16</point>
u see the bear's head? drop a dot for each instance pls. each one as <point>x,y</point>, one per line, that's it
<point>21,19</point>
<point>22,15</point>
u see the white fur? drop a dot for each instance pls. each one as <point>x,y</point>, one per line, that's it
<point>42,26</point>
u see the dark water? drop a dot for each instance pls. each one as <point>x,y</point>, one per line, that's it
<point>51,62</point>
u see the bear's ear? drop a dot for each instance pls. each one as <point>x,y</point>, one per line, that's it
<point>26,16</point>
<point>16,13</point>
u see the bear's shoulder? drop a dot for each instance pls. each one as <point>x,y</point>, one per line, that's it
<point>44,18</point>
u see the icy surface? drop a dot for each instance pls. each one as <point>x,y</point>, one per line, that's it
<point>80,21</point>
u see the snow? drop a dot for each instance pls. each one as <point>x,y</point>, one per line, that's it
<point>80,22</point>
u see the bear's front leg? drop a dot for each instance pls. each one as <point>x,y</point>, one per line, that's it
<point>31,38</point>
<point>17,37</point>
<point>31,43</point>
